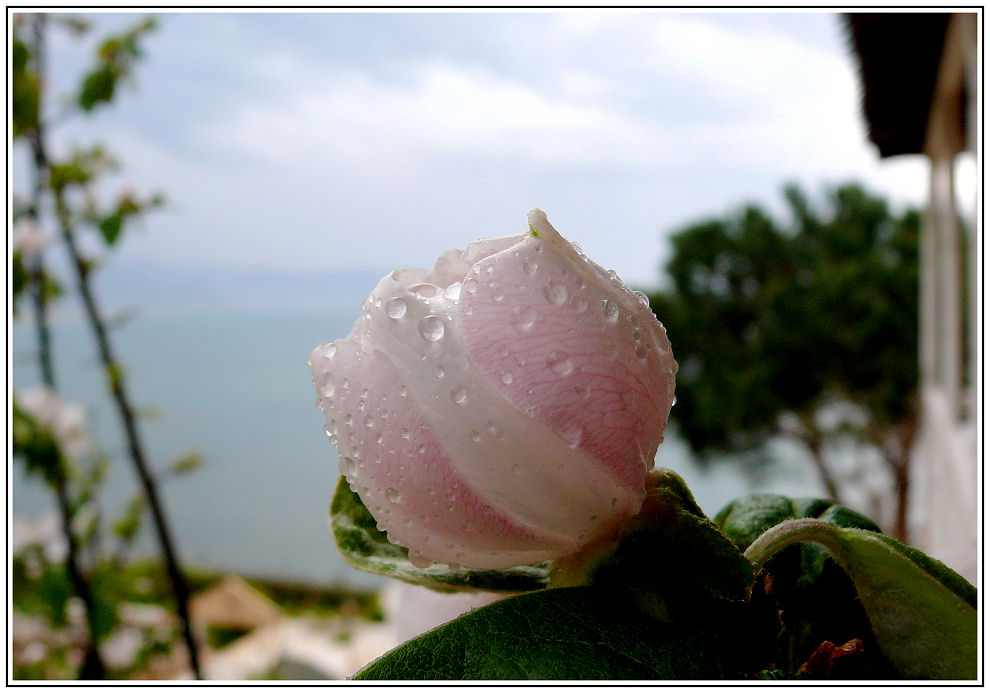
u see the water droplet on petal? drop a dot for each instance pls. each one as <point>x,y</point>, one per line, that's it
<point>470,285</point>
<point>404,433</point>
<point>529,266</point>
<point>327,384</point>
<point>402,391</point>
<point>560,363</point>
<point>573,437</point>
<point>643,298</point>
<point>330,351</point>
<point>419,560</point>
<point>642,352</point>
<point>395,308</point>
<point>369,421</point>
<point>475,436</point>
<point>458,395</point>
<point>425,290</point>
<point>391,495</point>
<point>439,371</point>
<point>452,292</point>
<point>555,292</point>
<point>431,328</point>
<point>346,466</point>
<point>611,310</point>
<point>522,317</point>
<point>506,377</point>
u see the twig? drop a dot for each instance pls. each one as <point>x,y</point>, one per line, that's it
<point>93,666</point>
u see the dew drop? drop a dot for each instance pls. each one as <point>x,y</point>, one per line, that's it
<point>529,266</point>
<point>522,317</point>
<point>487,509</point>
<point>402,391</point>
<point>475,436</point>
<point>346,466</point>
<point>347,419</point>
<point>395,308</point>
<point>506,377</point>
<point>675,401</point>
<point>581,390</point>
<point>470,285</point>
<point>404,433</point>
<point>555,292</point>
<point>330,429</point>
<point>419,560</point>
<point>431,328</point>
<point>369,421</point>
<point>520,360</point>
<point>573,437</point>
<point>643,298</point>
<point>327,384</point>
<point>391,495</point>
<point>560,363</point>
<point>642,352</point>
<point>452,292</point>
<point>426,291</point>
<point>497,296</point>
<point>439,371</point>
<point>346,384</point>
<point>330,351</point>
<point>458,395</point>
<point>611,310</point>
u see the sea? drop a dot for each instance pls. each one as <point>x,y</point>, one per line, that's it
<point>229,381</point>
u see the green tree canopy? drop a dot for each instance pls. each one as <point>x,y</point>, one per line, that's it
<point>771,321</point>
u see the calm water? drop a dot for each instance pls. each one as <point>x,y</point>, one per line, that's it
<point>236,389</point>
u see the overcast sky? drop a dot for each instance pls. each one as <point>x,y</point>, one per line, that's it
<point>327,141</point>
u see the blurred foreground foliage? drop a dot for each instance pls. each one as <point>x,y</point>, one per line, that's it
<point>805,329</point>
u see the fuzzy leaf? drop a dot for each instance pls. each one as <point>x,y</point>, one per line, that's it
<point>368,549</point>
<point>922,613</point>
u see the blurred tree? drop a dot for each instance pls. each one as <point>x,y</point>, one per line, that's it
<point>65,194</point>
<point>806,331</point>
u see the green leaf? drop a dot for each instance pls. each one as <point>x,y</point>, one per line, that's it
<point>675,558</point>
<point>921,612</point>
<point>801,588</point>
<point>25,89</point>
<point>110,228</point>
<point>98,87</point>
<point>187,463</point>
<point>745,519</point>
<point>366,548</point>
<point>572,633</point>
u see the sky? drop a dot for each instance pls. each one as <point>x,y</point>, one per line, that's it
<point>319,142</point>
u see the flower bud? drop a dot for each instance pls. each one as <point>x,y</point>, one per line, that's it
<point>502,408</point>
